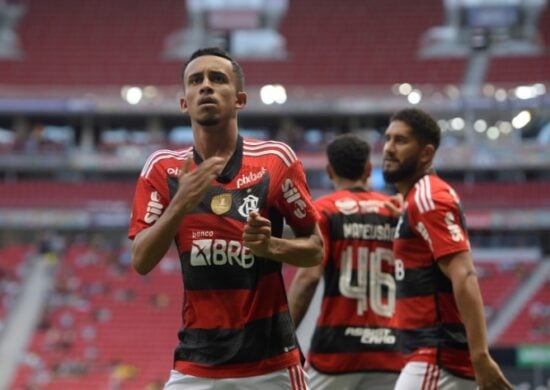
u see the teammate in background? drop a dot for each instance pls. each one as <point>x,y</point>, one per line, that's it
<point>439,305</point>
<point>224,201</point>
<point>354,345</point>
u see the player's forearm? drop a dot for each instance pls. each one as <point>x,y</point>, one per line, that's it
<point>470,305</point>
<point>300,252</point>
<point>300,296</point>
<point>151,244</point>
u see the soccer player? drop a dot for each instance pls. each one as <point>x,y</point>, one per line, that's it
<point>354,345</point>
<point>224,202</point>
<point>439,306</point>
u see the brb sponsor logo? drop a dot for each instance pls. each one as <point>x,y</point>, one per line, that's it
<point>250,177</point>
<point>154,208</point>
<point>213,252</point>
<point>293,197</point>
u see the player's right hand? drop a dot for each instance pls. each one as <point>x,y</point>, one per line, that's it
<point>193,184</point>
<point>489,376</point>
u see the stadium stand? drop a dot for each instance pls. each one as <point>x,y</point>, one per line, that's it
<point>96,330</point>
<point>498,282</point>
<point>125,48</point>
<point>532,325</point>
<point>12,270</point>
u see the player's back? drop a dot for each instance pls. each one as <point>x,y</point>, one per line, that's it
<point>354,331</point>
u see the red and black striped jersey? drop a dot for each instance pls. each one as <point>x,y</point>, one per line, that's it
<point>431,226</point>
<point>235,314</point>
<point>354,331</point>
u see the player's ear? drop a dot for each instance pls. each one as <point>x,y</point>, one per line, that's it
<point>240,102</point>
<point>183,104</point>
<point>427,153</point>
<point>330,172</point>
<point>368,170</point>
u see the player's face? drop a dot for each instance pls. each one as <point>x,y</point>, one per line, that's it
<point>401,153</point>
<point>211,95</point>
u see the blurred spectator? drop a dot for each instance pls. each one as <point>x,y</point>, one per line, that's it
<point>120,373</point>
<point>160,300</point>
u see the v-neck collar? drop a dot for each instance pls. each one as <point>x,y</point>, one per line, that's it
<point>232,167</point>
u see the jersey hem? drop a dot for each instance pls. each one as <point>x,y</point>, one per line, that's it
<point>241,370</point>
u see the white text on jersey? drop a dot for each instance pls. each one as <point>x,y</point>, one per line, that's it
<point>154,208</point>
<point>214,252</point>
<point>372,336</point>
<point>250,177</point>
<point>292,196</point>
<point>367,231</point>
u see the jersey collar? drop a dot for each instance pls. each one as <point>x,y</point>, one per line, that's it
<point>232,167</point>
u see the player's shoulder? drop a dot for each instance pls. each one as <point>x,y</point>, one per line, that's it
<point>325,201</point>
<point>166,158</point>
<point>276,151</point>
<point>348,202</point>
<point>376,196</point>
<point>429,192</point>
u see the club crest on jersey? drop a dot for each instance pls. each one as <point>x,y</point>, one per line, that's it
<point>250,203</point>
<point>221,204</point>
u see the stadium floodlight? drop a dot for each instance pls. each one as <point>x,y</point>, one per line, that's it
<point>500,95</point>
<point>458,123</point>
<point>521,120</point>
<point>131,94</point>
<point>505,127</point>
<point>273,94</point>
<point>415,96</point>
<point>493,133</point>
<point>525,92</point>
<point>405,89</point>
<point>480,125</point>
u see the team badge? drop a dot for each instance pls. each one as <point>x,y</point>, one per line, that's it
<point>221,204</point>
<point>250,203</point>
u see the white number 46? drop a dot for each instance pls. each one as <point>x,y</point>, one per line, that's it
<point>371,277</point>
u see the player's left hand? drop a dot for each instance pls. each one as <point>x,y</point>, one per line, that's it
<point>395,205</point>
<point>257,234</point>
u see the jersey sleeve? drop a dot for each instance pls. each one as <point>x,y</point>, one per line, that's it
<point>324,225</point>
<point>150,200</point>
<point>441,225</point>
<point>293,198</point>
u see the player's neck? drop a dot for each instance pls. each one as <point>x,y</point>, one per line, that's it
<point>345,184</point>
<point>405,186</point>
<point>214,142</point>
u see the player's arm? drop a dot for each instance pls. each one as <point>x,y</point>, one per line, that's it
<point>459,268</point>
<point>152,243</point>
<point>305,250</point>
<point>302,290</point>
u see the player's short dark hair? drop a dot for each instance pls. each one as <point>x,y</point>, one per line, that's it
<point>425,129</point>
<point>218,52</point>
<point>348,155</point>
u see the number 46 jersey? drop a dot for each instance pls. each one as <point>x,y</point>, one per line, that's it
<point>354,331</point>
